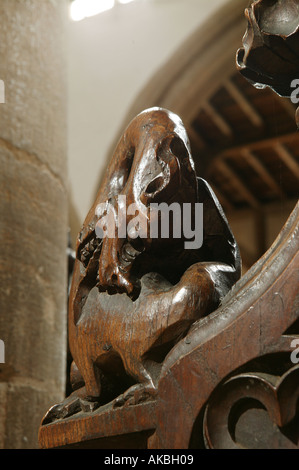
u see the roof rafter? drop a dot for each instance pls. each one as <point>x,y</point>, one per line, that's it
<point>257,165</point>
<point>287,157</point>
<point>238,183</point>
<point>220,122</point>
<point>244,104</point>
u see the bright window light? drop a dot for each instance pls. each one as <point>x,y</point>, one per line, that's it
<point>125,1</point>
<point>81,9</point>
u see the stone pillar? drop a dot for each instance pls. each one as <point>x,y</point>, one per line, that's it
<point>33,222</point>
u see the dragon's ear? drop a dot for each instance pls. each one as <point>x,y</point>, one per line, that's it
<point>217,232</point>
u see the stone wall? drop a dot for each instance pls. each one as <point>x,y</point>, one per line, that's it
<point>33,208</point>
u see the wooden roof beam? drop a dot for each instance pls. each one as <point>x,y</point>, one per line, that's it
<point>244,104</point>
<point>223,167</point>
<point>268,143</point>
<point>255,163</point>
<point>195,137</point>
<point>220,122</point>
<point>286,104</point>
<point>288,159</point>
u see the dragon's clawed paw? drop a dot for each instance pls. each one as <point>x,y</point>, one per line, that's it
<point>70,406</point>
<point>136,394</point>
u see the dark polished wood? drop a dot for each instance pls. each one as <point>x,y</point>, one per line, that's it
<point>171,350</point>
<point>234,365</point>
<point>131,298</point>
<point>270,55</point>
<point>251,333</point>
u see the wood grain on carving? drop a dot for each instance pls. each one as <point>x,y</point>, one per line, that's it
<point>133,298</point>
<point>163,345</point>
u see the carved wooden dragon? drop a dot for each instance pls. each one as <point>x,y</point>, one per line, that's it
<point>133,298</point>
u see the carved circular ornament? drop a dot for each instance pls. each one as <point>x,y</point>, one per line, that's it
<point>254,410</point>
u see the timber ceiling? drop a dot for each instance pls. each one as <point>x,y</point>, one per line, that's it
<point>245,143</point>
